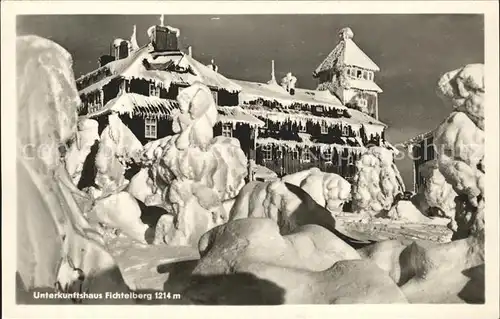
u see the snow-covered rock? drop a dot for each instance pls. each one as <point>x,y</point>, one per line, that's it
<point>258,240</point>
<point>191,172</point>
<point>376,183</point>
<point>297,178</point>
<point>52,230</point>
<point>75,157</point>
<point>309,266</point>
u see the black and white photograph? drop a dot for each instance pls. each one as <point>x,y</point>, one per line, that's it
<point>168,157</point>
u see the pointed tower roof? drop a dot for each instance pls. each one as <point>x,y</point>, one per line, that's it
<point>346,53</point>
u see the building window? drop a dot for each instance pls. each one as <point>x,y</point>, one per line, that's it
<point>150,128</point>
<point>267,153</point>
<point>359,74</point>
<point>295,154</point>
<point>345,130</point>
<point>216,97</point>
<point>324,127</point>
<point>370,76</point>
<point>279,153</point>
<point>154,90</point>
<point>227,130</point>
<point>302,127</point>
<point>365,75</point>
<point>266,124</point>
<point>306,155</point>
<point>327,155</point>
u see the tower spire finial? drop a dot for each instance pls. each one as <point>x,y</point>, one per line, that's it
<point>162,20</point>
<point>273,75</point>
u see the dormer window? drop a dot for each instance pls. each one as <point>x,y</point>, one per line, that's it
<point>359,74</point>
<point>154,90</point>
<point>328,155</point>
<point>324,127</point>
<point>345,130</point>
<point>227,130</point>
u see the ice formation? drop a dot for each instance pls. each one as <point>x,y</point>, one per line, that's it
<point>459,140</point>
<point>376,183</point>
<point>118,146</point>
<point>436,196</point>
<point>54,238</point>
<point>85,138</point>
<point>191,173</point>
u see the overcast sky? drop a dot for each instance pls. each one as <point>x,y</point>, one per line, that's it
<point>412,51</point>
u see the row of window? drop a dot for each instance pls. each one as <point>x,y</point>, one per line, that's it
<point>151,129</point>
<point>267,155</point>
<point>94,102</point>
<point>323,127</point>
<point>357,73</point>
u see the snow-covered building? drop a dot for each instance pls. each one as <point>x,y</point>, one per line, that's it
<point>142,83</point>
<point>421,148</point>
<point>328,127</point>
<point>280,126</point>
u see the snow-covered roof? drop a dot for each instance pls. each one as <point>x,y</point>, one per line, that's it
<point>152,106</point>
<point>162,68</point>
<point>252,90</point>
<point>346,53</point>
<point>417,139</point>
<point>272,92</point>
<point>365,85</point>
<point>235,114</point>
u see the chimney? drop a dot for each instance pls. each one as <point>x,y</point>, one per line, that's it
<point>105,59</point>
<point>273,75</point>
<point>120,49</point>
<point>190,51</point>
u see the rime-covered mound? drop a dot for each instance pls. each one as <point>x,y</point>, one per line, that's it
<point>465,88</point>
<point>52,230</point>
<point>405,211</point>
<point>191,173</point>
<point>429,272</point>
<point>309,266</point>
<point>286,204</point>
<point>327,189</point>
<point>258,240</point>
<point>118,146</point>
<point>76,155</point>
<point>459,142</point>
<point>376,183</point>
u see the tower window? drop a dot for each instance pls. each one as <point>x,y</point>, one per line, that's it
<point>359,74</point>
<point>363,102</point>
<point>345,130</point>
